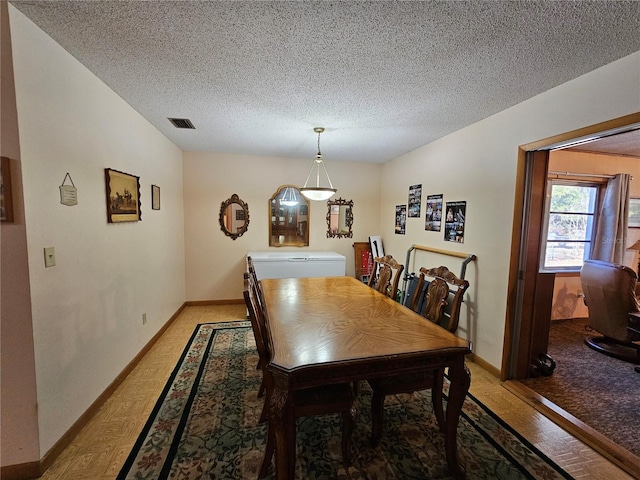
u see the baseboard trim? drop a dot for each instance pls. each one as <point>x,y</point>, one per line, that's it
<point>22,471</point>
<point>484,364</point>
<point>200,303</point>
<point>601,444</point>
<point>32,470</point>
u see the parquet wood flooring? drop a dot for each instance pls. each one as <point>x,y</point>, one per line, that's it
<point>101,447</point>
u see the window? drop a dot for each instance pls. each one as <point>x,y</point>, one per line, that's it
<point>570,224</point>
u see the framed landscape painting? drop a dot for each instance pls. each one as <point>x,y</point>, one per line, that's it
<point>123,196</point>
<point>634,212</point>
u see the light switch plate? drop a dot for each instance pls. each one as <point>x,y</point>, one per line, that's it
<point>49,257</point>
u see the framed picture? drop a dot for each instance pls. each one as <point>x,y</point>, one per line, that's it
<point>433,219</point>
<point>155,197</point>
<point>401,219</point>
<point>415,201</point>
<point>634,213</point>
<point>123,196</point>
<point>456,213</point>
<point>6,199</point>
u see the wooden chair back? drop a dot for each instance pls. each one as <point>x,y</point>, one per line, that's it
<point>257,324</point>
<point>385,276</point>
<point>436,299</point>
<point>441,301</point>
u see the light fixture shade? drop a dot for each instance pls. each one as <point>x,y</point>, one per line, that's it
<point>289,197</point>
<point>635,246</point>
<point>317,192</point>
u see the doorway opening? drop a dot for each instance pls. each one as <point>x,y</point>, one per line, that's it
<point>523,334</point>
<point>531,289</point>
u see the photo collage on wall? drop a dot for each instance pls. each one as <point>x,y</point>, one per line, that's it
<point>454,221</point>
<point>415,200</point>
<point>454,214</point>
<point>401,219</point>
<point>433,219</point>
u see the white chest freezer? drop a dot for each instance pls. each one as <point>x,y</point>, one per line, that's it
<point>297,264</point>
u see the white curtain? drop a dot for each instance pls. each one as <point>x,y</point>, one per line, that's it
<point>613,218</point>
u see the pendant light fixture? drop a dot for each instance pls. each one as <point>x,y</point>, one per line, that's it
<point>318,193</point>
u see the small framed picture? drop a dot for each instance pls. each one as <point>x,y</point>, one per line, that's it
<point>155,197</point>
<point>634,213</point>
<point>6,199</point>
<point>123,196</point>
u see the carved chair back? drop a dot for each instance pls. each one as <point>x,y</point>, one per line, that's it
<point>386,275</point>
<point>436,304</point>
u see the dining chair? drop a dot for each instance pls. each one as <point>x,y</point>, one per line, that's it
<point>385,276</point>
<point>339,398</point>
<point>449,317</point>
<point>440,303</point>
<point>254,278</point>
<point>259,339</point>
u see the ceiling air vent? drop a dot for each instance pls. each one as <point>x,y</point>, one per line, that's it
<point>181,123</point>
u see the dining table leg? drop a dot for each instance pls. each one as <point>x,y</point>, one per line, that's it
<point>284,423</point>
<point>460,380</point>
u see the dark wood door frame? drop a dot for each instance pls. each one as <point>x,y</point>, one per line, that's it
<point>522,332</point>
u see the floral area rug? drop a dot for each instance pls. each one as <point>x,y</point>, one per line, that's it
<point>205,426</point>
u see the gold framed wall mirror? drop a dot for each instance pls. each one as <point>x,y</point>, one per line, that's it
<point>234,217</point>
<point>288,218</point>
<point>339,218</point>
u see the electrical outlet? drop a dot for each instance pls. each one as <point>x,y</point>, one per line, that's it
<point>144,318</point>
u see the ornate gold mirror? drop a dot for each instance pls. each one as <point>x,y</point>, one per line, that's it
<point>234,217</point>
<point>289,218</point>
<point>339,218</point>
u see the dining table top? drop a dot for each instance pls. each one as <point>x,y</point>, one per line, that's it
<point>327,320</point>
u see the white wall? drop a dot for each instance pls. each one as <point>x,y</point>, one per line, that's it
<point>478,164</point>
<point>18,407</point>
<point>87,310</point>
<point>214,262</point>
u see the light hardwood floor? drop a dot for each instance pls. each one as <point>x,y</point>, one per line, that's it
<point>100,449</point>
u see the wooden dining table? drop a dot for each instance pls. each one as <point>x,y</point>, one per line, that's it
<point>337,329</point>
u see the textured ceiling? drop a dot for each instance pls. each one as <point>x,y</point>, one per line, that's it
<point>626,144</point>
<point>382,77</point>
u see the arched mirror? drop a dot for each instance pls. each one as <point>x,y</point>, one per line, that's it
<point>339,218</point>
<point>289,218</point>
<point>234,217</point>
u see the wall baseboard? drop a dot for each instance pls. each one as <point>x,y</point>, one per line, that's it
<point>484,364</point>
<point>199,303</point>
<point>22,471</point>
<point>31,470</point>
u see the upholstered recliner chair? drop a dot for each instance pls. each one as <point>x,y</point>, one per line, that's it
<point>610,295</point>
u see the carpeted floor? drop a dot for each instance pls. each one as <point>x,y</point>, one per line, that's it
<point>205,426</point>
<point>600,390</point>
